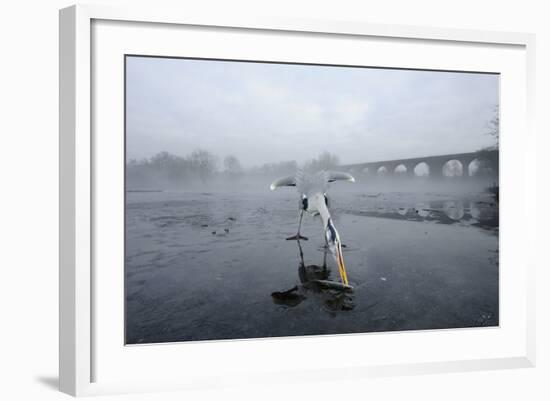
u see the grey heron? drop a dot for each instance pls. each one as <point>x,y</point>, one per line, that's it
<point>312,189</point>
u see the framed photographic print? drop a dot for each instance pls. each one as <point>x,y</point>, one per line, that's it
<point>236,195</point>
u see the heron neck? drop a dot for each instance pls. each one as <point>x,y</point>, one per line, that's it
<point>323,211</point>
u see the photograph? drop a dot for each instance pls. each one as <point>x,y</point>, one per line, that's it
<point>272,199</point>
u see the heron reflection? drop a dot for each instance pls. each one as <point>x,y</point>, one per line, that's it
<point>315,281</point>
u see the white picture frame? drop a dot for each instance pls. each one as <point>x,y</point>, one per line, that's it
<point>78,217</point>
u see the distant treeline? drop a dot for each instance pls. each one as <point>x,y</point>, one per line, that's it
<point>168,170</point>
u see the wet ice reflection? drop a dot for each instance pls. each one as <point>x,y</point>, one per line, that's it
<point>316,281</point>
<point>454,209</point>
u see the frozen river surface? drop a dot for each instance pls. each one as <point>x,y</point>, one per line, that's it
<point>203,266</point>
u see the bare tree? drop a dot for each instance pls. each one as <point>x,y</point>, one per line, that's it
<point>232,166</point>
<point>276,169</point>
<point>494,127</point>
<point>325,161</point>
<point>203,163</point>
<point>488,156</point>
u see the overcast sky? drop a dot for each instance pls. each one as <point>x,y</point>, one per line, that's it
<point>264,113</point>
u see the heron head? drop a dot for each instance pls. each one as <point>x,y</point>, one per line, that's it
<point>335,246</point>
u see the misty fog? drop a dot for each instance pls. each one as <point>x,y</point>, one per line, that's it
<point>202,170</point>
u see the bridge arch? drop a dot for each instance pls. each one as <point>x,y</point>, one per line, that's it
<point>382,170</point>
<point>453,168</point>
<point>400,169</point>
<point>479,167</point>
<point>365,171</point>
<point>421,169</point>
<point>474,168</point>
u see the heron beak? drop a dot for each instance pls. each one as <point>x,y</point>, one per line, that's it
<point>335,246</point>
<point>341,264</point>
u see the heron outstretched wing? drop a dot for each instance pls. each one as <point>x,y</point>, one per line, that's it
<point>339,176</point>
<point>289,181</point>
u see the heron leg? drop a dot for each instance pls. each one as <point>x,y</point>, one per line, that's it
<point>298,237</point>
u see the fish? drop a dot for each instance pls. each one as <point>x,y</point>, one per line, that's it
<point>333,285</point>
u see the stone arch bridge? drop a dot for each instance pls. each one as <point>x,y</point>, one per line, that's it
<point>406,167</point>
